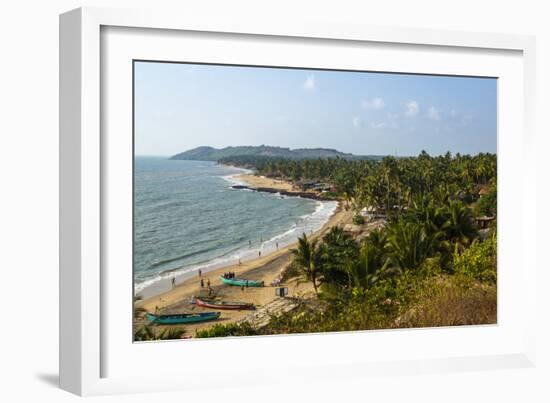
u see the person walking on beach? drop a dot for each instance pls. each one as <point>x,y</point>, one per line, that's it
<point>202,283</point>
<point>277,245</point>
<point>259,253</point>
<point>200,273</point>
<point>242,288</point>
<point>208,283</point>
<point>173,282</point>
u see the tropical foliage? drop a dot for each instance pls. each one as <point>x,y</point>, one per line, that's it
<point>428,266</point>
<point>149,333</point>
<point>390,183</point>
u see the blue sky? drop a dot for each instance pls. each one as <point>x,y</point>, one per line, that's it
<point>182,106</point>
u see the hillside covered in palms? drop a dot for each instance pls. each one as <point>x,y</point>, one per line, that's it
<point>431,261</point>
<point>249,153</point>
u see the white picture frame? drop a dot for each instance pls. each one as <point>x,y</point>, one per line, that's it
<point>84,181</point>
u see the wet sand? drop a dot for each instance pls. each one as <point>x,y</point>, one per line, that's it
<point>266,268</point>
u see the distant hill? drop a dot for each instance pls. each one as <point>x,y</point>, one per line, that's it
<point>214,154</point>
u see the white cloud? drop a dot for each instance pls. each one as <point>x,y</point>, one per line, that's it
<point>433,113</point>
<point>356,122</point>
<point>412,108</point>
<point>309,84</point>
<point>374,103</point>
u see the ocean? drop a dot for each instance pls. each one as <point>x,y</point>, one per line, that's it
<point>187,217</point>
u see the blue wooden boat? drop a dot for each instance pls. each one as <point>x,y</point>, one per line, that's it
<point>240,282</point>
<point>182,318</point>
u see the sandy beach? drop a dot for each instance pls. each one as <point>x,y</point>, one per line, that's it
<point>266,268</point>
<point>263,182</point>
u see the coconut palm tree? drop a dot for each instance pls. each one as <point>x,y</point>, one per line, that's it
<point>409,244</point>
<point>370,266</point>
<point>459,226</point>
<point>339,247</point>
<point>309,257</point>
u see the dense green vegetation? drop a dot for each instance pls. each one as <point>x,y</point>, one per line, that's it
<point>150,333</point>
<point>250,153</point>
<point>386,182</point>
<point>430,265</point>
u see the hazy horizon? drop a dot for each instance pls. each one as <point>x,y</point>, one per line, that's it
<point>270,145</point>
<point>179,107</point>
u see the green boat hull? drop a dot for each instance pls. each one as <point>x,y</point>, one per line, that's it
<point>239,282</point>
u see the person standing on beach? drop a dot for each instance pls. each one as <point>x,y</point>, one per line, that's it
<point>277,245</point>
<point>202,283</point>
<point>208,283</point>
<point>259,253</point>
<point>173,282</point>
<point>200,273</point>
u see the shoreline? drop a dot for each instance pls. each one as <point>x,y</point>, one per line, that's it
<point>163,285</point>
<point>266,268</point>
<point>268,185</point>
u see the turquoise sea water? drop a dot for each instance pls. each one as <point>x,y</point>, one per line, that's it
<point>186,217</point>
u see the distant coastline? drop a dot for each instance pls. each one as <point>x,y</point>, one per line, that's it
<point>207,153</point>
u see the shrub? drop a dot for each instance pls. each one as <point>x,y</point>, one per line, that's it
<point>479,261</point>
<point>148,333</point>
<point>231,329</point>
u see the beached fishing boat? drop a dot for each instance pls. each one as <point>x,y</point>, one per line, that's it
<point>182,318</point>
<point>206,303</point>
<point>240,282</point>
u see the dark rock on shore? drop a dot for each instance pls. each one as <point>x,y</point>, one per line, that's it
<point>304,195</point>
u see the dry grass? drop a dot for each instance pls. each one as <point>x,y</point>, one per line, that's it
<point>452,303</point>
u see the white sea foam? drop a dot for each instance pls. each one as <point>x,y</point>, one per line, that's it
<point>232,178</point>
<point>306,224</point>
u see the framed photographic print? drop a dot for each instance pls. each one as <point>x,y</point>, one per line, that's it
<point>287,197</point>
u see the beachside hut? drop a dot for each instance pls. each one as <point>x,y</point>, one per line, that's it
<point>484,222</point>
<point>372,213</point>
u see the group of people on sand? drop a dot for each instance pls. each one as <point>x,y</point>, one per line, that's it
<point>230,274</point>
<point>210,289</point>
